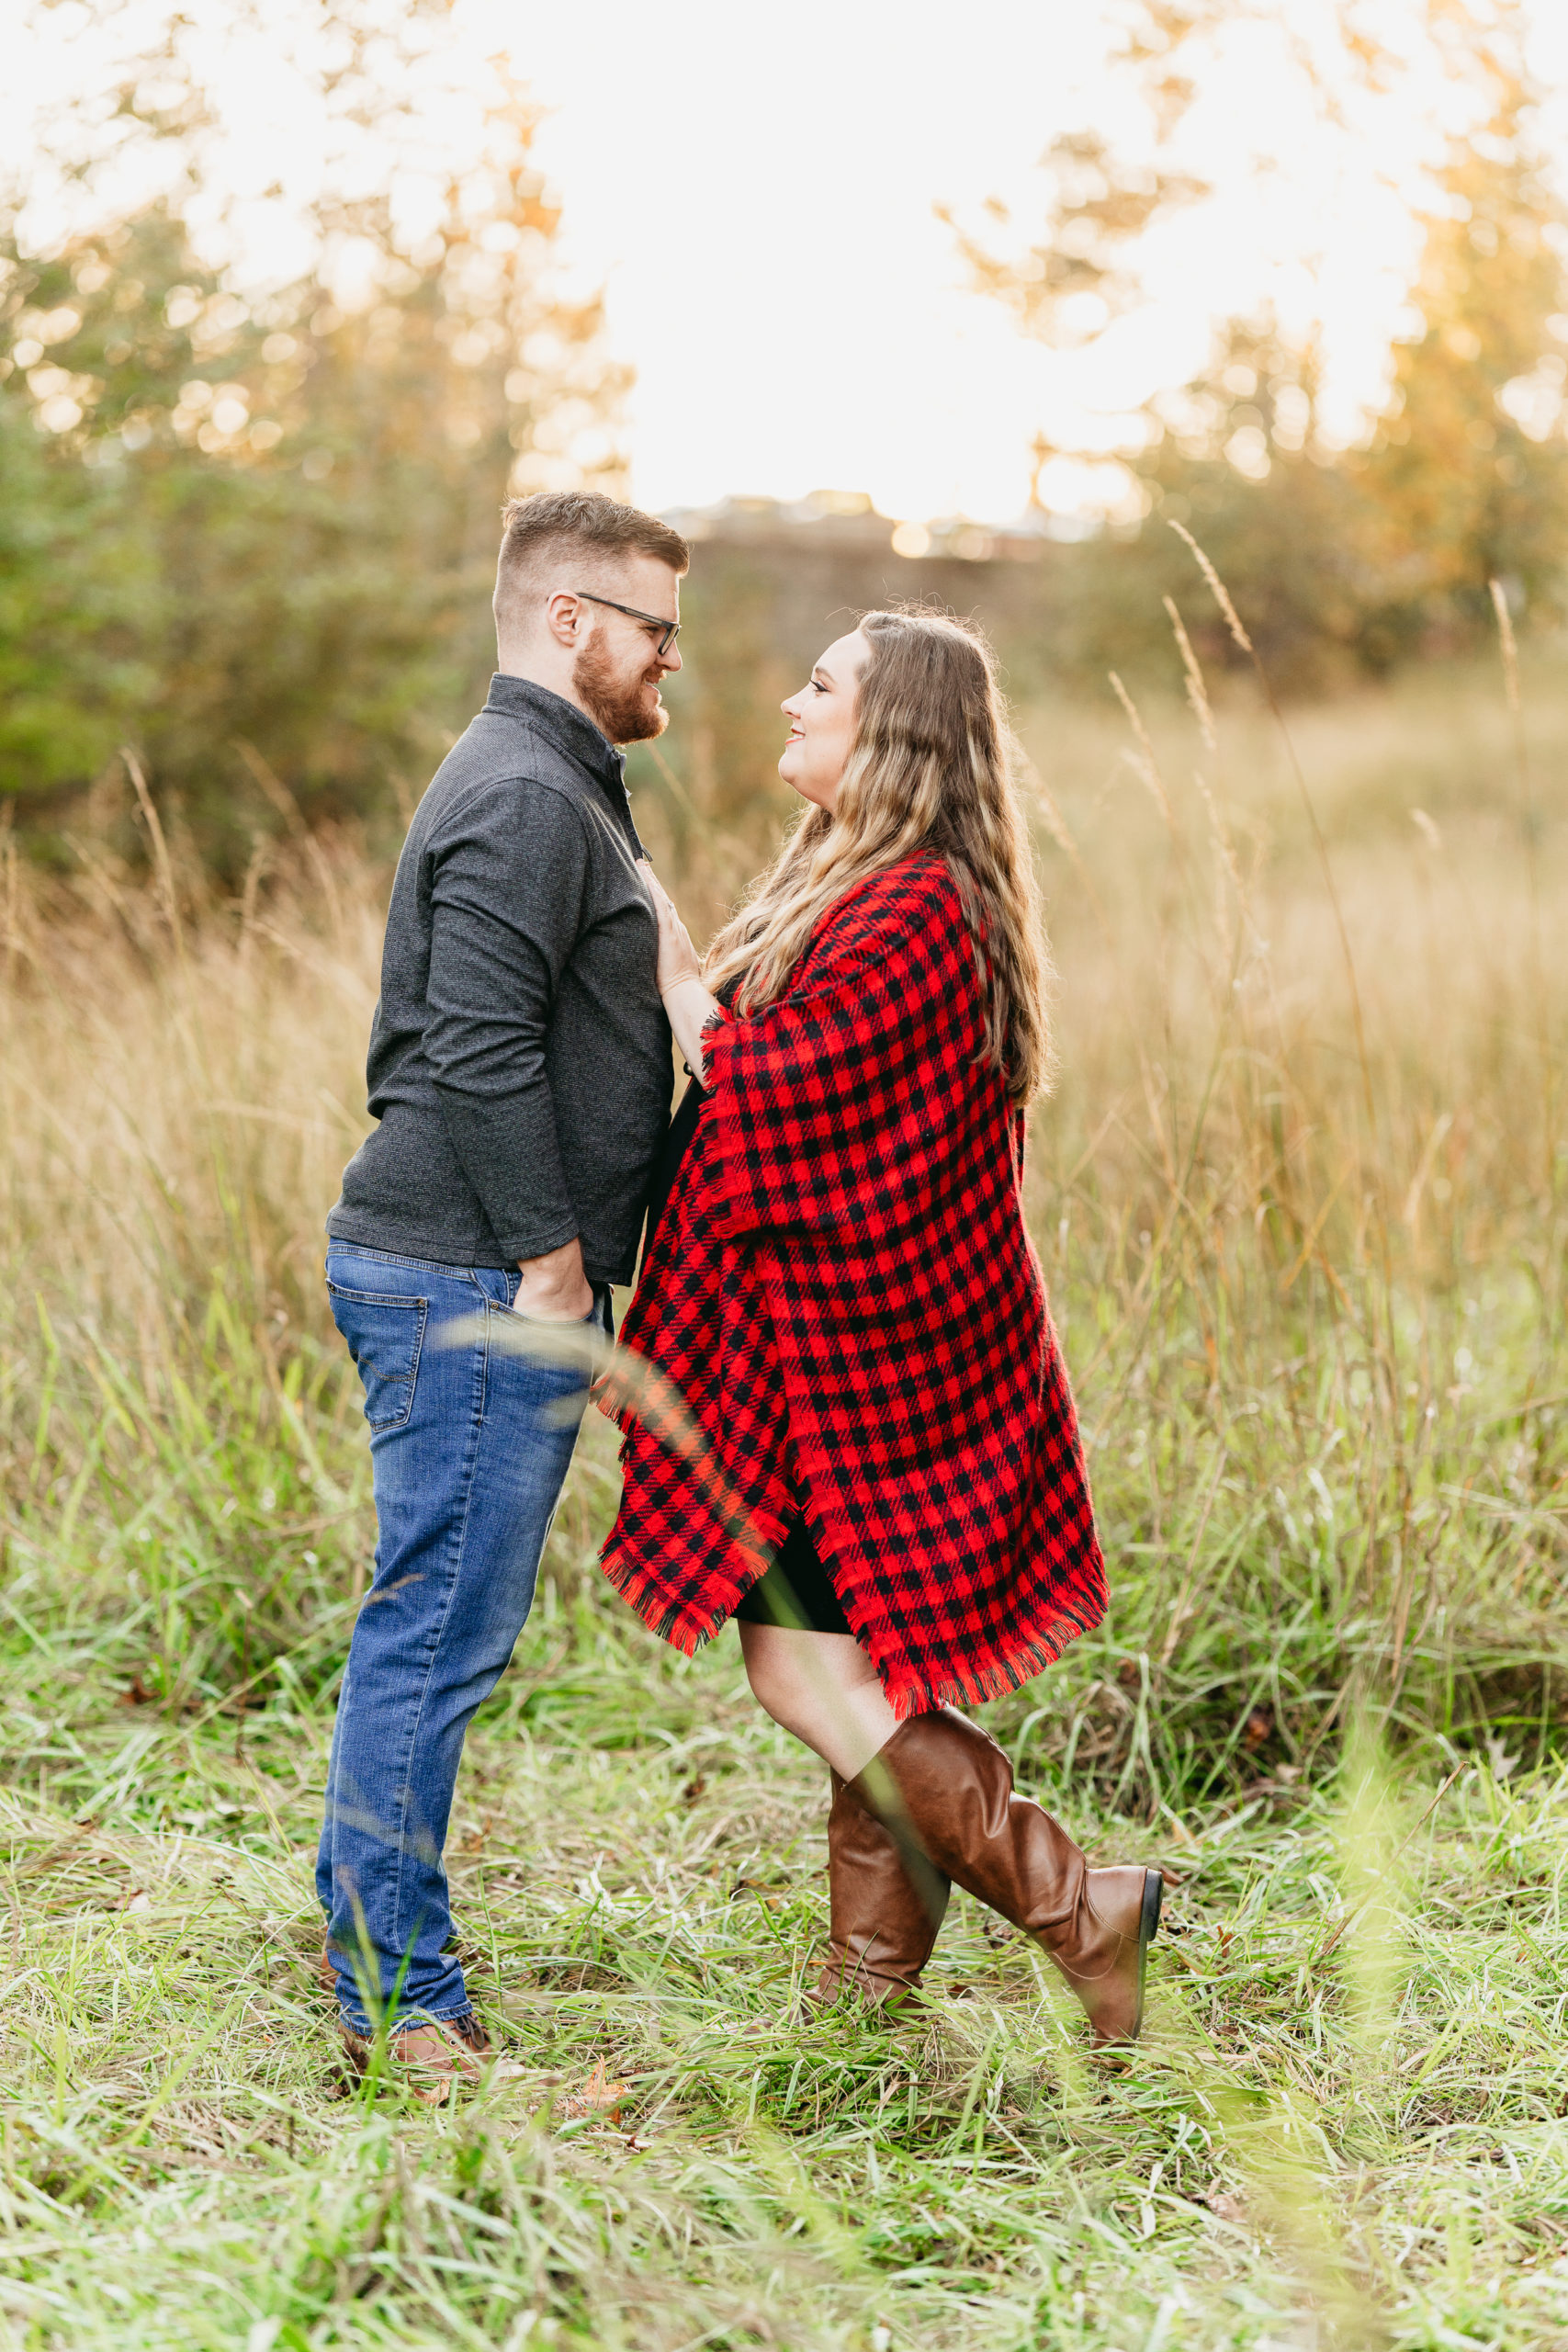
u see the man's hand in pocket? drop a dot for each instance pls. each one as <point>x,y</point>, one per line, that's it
<point>554,1288</point>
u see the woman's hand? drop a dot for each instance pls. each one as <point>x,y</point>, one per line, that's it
<point>677,956</point>
<point>687,1002</point>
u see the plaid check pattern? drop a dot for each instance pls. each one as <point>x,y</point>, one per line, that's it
<point>842,1314</point>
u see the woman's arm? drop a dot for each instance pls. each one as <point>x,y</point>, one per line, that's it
<point>686,1002</point>
<point>690,1008</point>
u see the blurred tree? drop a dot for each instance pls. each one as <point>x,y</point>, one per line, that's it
<point>1079,264</point>
<point>253,534</point>
<point>1340,555</point>
<point>1466,478</point>
<point>1065,287</point>
<point>1236,458</point>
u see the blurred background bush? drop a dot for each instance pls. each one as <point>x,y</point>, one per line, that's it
<point>251,534</point>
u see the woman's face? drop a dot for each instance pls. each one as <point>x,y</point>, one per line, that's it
<point>822,723</point>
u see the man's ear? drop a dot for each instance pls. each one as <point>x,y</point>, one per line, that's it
<point>564,619</point>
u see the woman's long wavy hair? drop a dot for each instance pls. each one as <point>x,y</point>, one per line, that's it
<point>930,767</point>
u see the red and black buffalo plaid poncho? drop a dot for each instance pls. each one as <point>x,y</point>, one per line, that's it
<point>843,1303</point>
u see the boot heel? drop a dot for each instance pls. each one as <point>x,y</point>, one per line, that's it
<point>1148,1927</point>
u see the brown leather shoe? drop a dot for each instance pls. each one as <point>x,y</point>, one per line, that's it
<point>882,1924</point>
<point>1096,1925</point>
<point>432,2059</point>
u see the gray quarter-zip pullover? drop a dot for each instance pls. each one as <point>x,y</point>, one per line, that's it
<point>520,1065</point>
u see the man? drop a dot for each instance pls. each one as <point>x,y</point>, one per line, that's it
<point>521,1072</point>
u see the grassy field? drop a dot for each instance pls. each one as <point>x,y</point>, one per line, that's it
<point>1299,1197</point>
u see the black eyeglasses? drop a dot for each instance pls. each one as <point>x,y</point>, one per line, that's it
<point>668,630</point>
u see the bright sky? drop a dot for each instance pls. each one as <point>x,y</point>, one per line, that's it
<point>755,188</point>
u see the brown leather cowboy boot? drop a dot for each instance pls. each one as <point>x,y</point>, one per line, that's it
<point>955,1786</point>
<point>882,1924</point>
<point>430,2060</point>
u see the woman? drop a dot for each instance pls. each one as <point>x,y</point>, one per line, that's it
<point>847,1424</point>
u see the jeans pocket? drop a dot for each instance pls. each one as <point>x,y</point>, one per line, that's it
<point>384,1334</point>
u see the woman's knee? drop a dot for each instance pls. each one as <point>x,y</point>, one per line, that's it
<point>820,1687</point>
<point>776,1684</point>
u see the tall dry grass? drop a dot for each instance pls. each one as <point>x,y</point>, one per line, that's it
<point>180,1085</point>
<point>1297,1196</point>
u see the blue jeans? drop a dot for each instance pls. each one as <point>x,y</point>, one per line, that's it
<point>469,1442</point>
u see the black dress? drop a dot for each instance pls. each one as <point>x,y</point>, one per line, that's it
<point>797,1590</point>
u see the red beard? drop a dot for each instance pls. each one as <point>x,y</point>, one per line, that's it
<point>619,709</point>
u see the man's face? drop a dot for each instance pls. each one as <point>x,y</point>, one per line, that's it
<point>619,669</point>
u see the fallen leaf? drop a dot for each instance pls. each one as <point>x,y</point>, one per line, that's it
<point>598,2096</point>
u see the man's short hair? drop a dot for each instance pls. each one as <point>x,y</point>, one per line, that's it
<point>574,526</point>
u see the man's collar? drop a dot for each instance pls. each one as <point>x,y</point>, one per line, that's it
<point>571,729</point>
<point>573,733</point>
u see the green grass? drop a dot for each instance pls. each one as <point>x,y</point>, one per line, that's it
<point>1346,2124</point>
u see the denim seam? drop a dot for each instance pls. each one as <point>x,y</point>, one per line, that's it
<point>476,1425</point>
<point>405,2017</point>
<point>418,1265</point>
